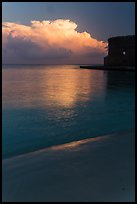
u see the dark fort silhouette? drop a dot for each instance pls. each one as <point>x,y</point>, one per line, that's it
<point>121,55</point>
<point>121,51</point>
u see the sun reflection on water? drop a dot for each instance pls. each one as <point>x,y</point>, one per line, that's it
<point>50,87</point>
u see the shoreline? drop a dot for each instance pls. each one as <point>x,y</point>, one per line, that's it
<point>67,145</point>
<point>96,169</point>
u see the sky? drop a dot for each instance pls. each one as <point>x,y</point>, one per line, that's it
<point>62,32</point>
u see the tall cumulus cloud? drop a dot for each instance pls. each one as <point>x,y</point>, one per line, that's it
<point>51,42</point>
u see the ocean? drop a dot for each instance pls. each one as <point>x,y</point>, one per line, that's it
<point>45,106</point>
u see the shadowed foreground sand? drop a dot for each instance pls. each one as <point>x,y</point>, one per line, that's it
<point>92,170</point>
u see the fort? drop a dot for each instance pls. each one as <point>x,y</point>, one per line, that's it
<point>121,54</point>
<point>121,51</point>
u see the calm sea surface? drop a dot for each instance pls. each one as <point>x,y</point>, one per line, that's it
<point>45,106</point>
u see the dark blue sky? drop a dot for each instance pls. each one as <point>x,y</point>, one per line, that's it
<point>101,19</point>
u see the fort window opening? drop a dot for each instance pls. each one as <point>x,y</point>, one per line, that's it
<point>124,52</point>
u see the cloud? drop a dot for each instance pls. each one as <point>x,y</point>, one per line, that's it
<point>49,42</point>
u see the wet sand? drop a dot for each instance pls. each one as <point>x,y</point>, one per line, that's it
<point>98,169</point>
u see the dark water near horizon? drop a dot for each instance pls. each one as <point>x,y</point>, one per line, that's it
<point>50,105</point>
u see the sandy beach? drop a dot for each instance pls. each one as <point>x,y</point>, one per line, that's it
<point>92,170</point>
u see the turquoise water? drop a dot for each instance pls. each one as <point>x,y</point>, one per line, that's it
<point>50,105</point>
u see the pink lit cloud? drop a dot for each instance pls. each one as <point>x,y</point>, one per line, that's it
<point>49,42</point>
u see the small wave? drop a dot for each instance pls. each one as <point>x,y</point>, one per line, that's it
<point>70,146</point>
